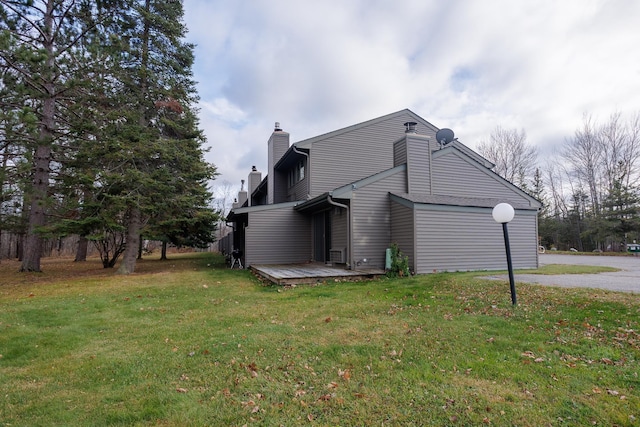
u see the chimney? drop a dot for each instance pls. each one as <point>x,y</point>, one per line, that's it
<point>415,151</point>
<point>277,146</point>
<point>242,194</point>
<point>411,127</point>
<point>255,178</point>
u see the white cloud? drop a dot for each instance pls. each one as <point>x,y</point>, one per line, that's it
<point>469,65</point>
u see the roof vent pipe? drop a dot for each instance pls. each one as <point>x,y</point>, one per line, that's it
<point>410,127</point>
<point>278,128</point>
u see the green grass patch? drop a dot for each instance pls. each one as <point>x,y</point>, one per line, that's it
<point>569,269</point>
<point>187,342</point>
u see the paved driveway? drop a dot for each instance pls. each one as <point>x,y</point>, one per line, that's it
<point>625,280</point>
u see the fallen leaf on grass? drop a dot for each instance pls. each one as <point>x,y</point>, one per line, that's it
<point>181,390</point>
<point>344,374</point>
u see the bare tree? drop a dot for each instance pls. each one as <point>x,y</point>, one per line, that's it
<point>583,154</point>
<point>223,200</point>
<point>515,159</point>
<point>620,146</point>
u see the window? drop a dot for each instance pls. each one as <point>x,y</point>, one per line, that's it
<point>296,174</point>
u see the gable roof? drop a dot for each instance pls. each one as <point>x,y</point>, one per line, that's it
<point>307,143</point>
<point>472,161</point>
<point>346,191</point>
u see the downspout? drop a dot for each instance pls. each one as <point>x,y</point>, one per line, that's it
<point>340,205</point>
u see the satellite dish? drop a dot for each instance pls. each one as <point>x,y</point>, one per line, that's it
<point>444,136</point>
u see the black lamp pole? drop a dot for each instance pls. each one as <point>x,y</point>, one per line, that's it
<point>512,283</point>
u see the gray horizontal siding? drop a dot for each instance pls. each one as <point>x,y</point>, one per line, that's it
<point>298,191</point>
<point>454,176</point>
<point>339,233</point>
<point>461,241</point>
<point>277,236</point>
<point>400,153</point>
<point>371,219</point>
<point>354,155</point>
<point>402,231</point>
<point>418,163</point>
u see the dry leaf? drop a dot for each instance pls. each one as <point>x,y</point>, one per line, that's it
<point>181,390</point>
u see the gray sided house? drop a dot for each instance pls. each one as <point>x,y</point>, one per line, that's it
<point>346,196</point>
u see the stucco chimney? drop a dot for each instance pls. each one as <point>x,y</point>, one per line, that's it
<point>278,145</point>
<point>254,180</point>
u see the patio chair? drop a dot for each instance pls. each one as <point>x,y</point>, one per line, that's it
<point>236,256</point>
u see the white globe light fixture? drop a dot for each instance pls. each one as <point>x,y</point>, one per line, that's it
<point>503,213</point>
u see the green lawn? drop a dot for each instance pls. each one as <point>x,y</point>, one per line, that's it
<point>187,342</point>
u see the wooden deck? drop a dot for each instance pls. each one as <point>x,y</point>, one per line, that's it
<point>295,274</point>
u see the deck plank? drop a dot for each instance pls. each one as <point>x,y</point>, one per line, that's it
<point>310,273</point>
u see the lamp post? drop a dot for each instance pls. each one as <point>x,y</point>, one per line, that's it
<point>503,213</point>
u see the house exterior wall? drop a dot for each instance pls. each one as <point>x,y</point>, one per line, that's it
<point>369,147</point>
<point>402,231</point>
<point>400,152</point>
<point>277,236</point>
<point>461,239</point>
<point>339,229</point>
<point>457,176</point>
<point>418,164</point>
<point>371,219</point>
<point>298,191</point>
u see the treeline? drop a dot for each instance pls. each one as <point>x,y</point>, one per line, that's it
<point>589,185</point>
<point>98,133</point>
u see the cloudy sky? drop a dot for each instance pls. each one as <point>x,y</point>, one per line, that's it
<point>469,65</point>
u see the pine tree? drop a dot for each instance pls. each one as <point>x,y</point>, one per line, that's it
<point>161,144</point>
<point>42,40</point>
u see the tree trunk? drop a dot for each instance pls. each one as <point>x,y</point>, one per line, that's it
<point>128,264</point>
<point>163,256</point>
<point>81,249</point>
<point>140,248</point>
<point>33,241</point>
<point>42,158</point>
